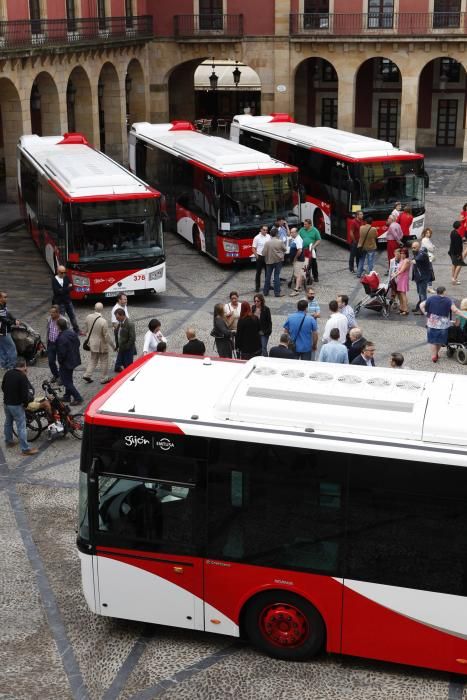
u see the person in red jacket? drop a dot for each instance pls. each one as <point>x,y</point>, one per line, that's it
<point>462,231</point>
<point>405,221</point>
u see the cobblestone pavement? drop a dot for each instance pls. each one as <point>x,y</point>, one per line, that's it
<point>51,645</point>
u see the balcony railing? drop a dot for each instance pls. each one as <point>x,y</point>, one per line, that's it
<point>378,23</point>
<point>215,25</point>
<point>21,34</point>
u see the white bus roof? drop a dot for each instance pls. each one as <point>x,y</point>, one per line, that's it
<point>213,152</point>
<point>78,169</point>
<point>340,143</point>
<point>287,402</point>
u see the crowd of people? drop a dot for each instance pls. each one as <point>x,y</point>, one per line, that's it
<point>241,328</point>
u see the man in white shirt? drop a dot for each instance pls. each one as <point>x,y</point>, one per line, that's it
<point>297,259</point>
<point>336,320</point>
<point>257,246</point>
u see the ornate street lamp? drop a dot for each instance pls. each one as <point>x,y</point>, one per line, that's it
<point>213,78</point>
<point>236,74</point>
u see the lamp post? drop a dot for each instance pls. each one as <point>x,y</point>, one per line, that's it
<point>35,106</point>
<point>70,105</point>
<point>236,74</point>
<point>100,103</point>
<point>213,78</point>
<point>128,82</point>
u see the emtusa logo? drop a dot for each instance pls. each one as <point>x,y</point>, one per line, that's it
<point>165,444</point>
<point>135,441</point>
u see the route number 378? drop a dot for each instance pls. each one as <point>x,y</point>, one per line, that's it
<point>137,278</point>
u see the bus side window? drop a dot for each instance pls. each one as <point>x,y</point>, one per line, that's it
<point>236,489</point>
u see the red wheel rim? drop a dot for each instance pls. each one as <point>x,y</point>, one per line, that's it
<point>284,625</point>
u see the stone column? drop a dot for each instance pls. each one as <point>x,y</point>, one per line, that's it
<point>408,117</point>
<point>347,76</point>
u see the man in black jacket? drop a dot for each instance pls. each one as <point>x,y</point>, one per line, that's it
<point>194,346</point>
<point>366,357</point>
<point>126,341</point>
<point>17,392</point>
<point>355,343</point>
<point>68,359</point>
<point>282,350</point>
<point>8,353</point>
<point>61,288</point>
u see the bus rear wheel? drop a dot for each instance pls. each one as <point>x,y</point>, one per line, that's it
<point>284,626</point>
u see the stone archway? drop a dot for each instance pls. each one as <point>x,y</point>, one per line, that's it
<point>441,104</point>
<point>44,106</point>
<point>80,103</point>
<point>181,90</point>
<point>111,121</point>
<point>378,99</point>
<point>135,97</point>
<point>11,128</point>
<point>316,87</point>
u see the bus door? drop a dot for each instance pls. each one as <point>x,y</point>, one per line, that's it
<point>211,219</point>
<point>147,539</point>
<point>340,201</point>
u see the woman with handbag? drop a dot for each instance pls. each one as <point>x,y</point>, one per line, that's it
<point>401,278</point>
<point>456,251</point>
<point>221,332</point>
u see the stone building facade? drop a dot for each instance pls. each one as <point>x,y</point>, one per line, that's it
<point>395,70</point>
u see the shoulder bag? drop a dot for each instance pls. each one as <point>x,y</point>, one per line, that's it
<point>292,342</point>
<point>86,345</point>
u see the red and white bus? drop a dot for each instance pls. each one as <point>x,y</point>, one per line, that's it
<point>340,172</point>
<point>87,212</point>
<point>217,193</point>
<point>303,507</point>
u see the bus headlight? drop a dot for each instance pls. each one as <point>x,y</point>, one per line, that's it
<point>80,281</point>
<point>156,274</point>
<point>230,247</point>
<point>417,224</point>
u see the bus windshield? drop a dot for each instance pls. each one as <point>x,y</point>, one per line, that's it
<point>384,183</point>
<point>115,230</point>
<point>252,200</point>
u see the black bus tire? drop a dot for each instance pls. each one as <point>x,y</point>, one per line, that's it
<point>462,356</point>
<point>284,625</point>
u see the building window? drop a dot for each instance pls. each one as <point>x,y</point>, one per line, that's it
<point>35,16</point>
<point>446,13</point>
<point>316,14</point>
<point>129,13</point>
<point>211,14</point>
<point>380,14</point>
<point>70,16</point>
<point>387,71</point>
<point>447,123</point>
<point>101,14</point>
<point>329,112</point>
<point>329,74</point>
<point>449,70</point>
<point>387,120</point>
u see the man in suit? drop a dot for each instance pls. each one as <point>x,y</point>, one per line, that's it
<point>126,340</point>
<point>366,357</point>
<point>194,346</point>
<point>355,343</point>
<point>61,288</point>
<point>282,350</point>
<point>99,339</point>
<point>68,359</point>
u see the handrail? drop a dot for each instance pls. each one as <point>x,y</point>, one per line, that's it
<point>189,26</point>
<point>371,24</point>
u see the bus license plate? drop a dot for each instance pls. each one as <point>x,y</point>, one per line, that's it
<point>128,292</point>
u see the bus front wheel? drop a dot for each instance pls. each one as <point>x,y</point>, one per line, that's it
<point>284,626</point>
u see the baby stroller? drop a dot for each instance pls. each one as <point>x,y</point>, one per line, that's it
<point>376,298</point>
<point>28,342</point>
<point>457,344</point>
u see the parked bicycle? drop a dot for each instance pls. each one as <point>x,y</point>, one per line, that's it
<point>64,421</point>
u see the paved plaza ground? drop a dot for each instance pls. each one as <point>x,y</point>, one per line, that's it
<point>51,646</point>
